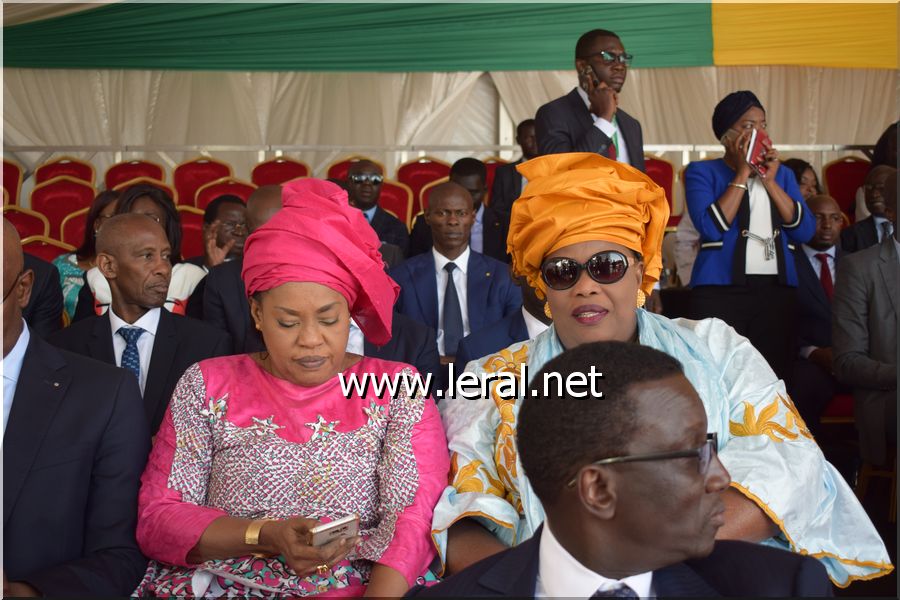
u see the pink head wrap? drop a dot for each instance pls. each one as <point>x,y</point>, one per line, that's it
<point>318,237</point>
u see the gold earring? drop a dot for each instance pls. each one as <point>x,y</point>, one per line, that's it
<point>641,298</point>
<point>547,310</point>
<point>257,327</point>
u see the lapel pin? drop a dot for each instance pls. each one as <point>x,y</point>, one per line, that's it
<point>488,274</point>
<point>55,384</point>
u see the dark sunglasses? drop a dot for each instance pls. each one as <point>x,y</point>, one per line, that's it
<point>608,266</point>
<point>609,58</point>
<point>373,178</point>
<point>704,453</point>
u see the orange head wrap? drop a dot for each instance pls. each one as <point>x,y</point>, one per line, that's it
<point>581,197</point>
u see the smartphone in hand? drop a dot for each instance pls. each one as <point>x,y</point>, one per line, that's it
<point>345,527</point>
<point>757,147</point>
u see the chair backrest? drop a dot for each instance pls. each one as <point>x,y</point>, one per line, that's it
<point>226,185</point>
<point>396,198</point>
<point>338,170</point>
<point>45,248</point>
<point>132,169</point>
<point>191,231</point>
<point>147,181</point>
<point>843,177</point>
<point>491,163</point>
<point>278,170</point>
<point>420,172</point>
<point>12,181</point>
<point>65,165</point>
<point>27,222</point>
<point>426,191</point>
<point>72,227</point>
<point>191,175</point>
<point>662,172</point>
<point>60,197</point>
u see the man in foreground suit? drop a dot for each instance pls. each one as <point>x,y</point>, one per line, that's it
<point>137,333</point>
<point>75,444</point>
<point>364,179</point>
<point>588,119</point>
<point>631,485</point>
<point>871,230</point>
<point>508,182</point>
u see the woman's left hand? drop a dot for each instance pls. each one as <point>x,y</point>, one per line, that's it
<point>772,163</point>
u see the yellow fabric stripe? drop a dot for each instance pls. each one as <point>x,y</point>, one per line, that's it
<point>808,34</point>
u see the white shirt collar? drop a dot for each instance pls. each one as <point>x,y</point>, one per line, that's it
<point>462,261</point>
<point>584,97</point>
<point>560,575</point>
<point>534,325</point>
<point>12,362</point>
<point>149,322</point>
<point>811,252</point>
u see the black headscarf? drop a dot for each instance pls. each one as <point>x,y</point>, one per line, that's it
<point>730,109</point>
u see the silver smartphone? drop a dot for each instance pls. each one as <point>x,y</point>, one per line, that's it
<point>345,527</point>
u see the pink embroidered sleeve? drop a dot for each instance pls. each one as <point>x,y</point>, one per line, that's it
<point>171,515</point>
<point>412,475</point>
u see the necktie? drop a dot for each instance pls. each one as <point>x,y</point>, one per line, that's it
<point>825,275</point>
<point>131,359</point>
<point>887,230</point>
<point>453,322</point>
<point>618,591</point>
<point>611,151</point>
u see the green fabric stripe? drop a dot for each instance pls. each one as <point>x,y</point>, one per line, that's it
<point>356,37</point>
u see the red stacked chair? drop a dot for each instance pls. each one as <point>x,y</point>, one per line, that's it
<point>60,197</point>
<point>397,199</point>
<point>191,231</point>
<point>662,172</point>
<point>132,169</point>
<point>226,185</point>
<point>146,181</point>
<point>67,166</point>
<point>193,174</point>
<point>420,172</point>
<point>278,170</point>
<point>72,227</point>
<point>491,163</point>
<point>426,191</point>
<point>27,222</point>
<point>842,178</point>
<point>339,169</point>
<point>45,248</point>
<point>12,181</point>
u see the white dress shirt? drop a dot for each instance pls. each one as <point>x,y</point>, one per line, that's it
<point>534,325</point>
<point>810,253</point>
<point>476,236</point>
<point>356,340</point>
<point>879,228</point>
<point>608,128</point>
<point>12,367</point>
<point>560,575</point>
<point>149,322</point>
<point>761,225</point>
<point>459,280</point>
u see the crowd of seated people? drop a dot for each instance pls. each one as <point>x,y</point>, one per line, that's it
<point>190,431</point>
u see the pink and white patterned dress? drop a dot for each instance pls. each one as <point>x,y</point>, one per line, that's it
<point>237,441</point>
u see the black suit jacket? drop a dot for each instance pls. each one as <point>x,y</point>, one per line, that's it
<point>179,343</point>
<point>566,125</point>
<point>75,446</point>
<point>389,229</point>
<point>507,187</point>
<point>733,569</point>
<point>813,306</point>
<point>44,310</point>
<point>496,228</point>
<point>859,236</point>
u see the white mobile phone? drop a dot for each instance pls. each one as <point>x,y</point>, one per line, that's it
<point>751,146</point>
<point>345,527</point>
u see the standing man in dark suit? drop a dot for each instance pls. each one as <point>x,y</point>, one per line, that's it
<point>508,182</point>
<point>871,230</point>
<point>364,179</point>
<point>588,119</point>
<point>44,311</point>
<point>74,447</point>
<point>137,333</point>
<point>631,485</point>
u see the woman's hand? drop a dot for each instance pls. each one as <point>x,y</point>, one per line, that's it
<point>771,163</point>
<point>289,538</point>
<point>736,154</point>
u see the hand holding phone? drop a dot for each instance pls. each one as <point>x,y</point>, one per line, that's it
<point>757,148</point>
<point>343,528</point>
<point>604,100</point>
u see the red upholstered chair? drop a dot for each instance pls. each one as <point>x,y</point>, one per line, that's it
<point>839,410</point>
<point>491,163</point>
<point>72,227</point>
<point>278,170</point>
<point>27,222</point>
<point>146,181</point>
<point>65,165</point>
<point>843,177</point>
<point>338,170</point>
<point>426,190</point>
<point>397,199</point>
<point>132,169</point>
<point>420,172</point>
<point>193,174</point>
<point>191,231</point>
<point>45,248</point>
<point>226,185</point>
<point>662,172</point>
<point>12,181</point>
<point>60,197</point>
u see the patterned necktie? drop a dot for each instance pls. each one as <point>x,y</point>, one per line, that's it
<point>825,275</point>
<point>617,591</point>
<point>131,359</point>
<point>453,321</point>
<point>612,152</point>
<point>887,230</point>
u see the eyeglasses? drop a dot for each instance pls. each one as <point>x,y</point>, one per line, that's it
<point>704,453</point>
<point>373,178</point>
<point>446,213</point>
<point>13,286</point>
<point>608,266</point>
<point>609,58</point>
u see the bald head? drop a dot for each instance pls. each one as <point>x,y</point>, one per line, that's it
<point>363,166</point>
<point>450,216</point>
<point>446,190</point>
<point>16,286</point>
<point>264,202</point>
<point>821,201</point>
<point>117,232</point>
<point>364,179</point>
<point>829,221</point>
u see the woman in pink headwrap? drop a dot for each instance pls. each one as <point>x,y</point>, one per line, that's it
<point>257,449</point>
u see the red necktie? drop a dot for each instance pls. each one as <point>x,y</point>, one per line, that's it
<point>611,151</point>
<point>825,275</point>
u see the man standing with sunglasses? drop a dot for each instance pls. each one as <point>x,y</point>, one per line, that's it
<point>364,179</point>
<point>588,119</point>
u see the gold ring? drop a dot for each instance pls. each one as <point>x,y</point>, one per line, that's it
<point>322,569</point>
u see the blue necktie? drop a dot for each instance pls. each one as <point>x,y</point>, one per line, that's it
<point>619,591</point>
<point>453,321</point>
<point>131,359</point>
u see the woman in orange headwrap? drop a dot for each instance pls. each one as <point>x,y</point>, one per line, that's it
<point>257,449</point>
<point>587,233</point>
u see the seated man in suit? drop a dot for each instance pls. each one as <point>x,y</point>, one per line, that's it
<point>453,289</point>
<point>588,119</point>
<point>224,232</point>
<point>864,328</point>
<point>871,230</point>
<point>137,333</point>
<point>508,182</point>
<point>75,445</point>
<point>44,311</point>
<point>813,383</point>
<point>631,485</point>
<point>364,179</point>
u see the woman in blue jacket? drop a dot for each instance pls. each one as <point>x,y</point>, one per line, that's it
<point>749,218</point>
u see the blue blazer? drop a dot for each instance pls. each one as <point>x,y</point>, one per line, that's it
<point>813,306</point>
<point>722,254</point>
<point>490,291</point>
<point>491,339</point>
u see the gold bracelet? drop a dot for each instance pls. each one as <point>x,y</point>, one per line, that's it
<point>251,535</point>
<point>741,186</point>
